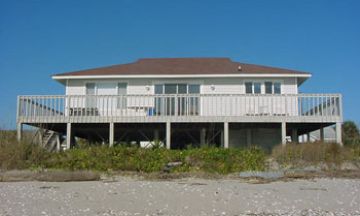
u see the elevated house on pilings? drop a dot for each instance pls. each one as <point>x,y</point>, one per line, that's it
<point>180,102</point>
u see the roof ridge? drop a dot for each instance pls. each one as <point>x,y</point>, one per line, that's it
<point>185,58</point>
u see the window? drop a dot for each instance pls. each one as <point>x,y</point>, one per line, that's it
<point>253,88</point>
<point>159,89</point>
<point>194,89</point>
<point>277,88</point>
<point>122,91</point>
<point>194,102</point>
<point>248,88</point>
<point>272,88</point>
<point>90,88</point>
<point>257,88</point>
<point>182,89</point>
<point>90,100</point>
<point>170,88</point>
<point>268,88</point>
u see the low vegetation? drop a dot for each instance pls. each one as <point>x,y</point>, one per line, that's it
<point>25,155</point>
<point>314,153</point>
<point>213,160</point>
<point>19,155</point>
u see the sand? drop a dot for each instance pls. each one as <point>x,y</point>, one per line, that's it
<point>129,196</point>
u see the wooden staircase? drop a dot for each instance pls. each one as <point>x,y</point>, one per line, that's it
<point>50,140</point>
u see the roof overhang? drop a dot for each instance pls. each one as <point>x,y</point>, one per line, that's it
<point>124,76</point>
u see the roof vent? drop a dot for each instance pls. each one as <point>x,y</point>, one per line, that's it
<point>239,68</point>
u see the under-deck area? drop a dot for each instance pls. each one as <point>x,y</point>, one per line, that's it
<point>183,135</point>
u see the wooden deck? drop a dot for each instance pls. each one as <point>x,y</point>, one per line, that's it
<point>180,108</point>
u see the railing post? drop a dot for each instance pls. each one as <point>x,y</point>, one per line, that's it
<point>340,108</point>
<point>176,105</point>
<point>286,105</point>
<point>18,105</point>
<point>67,105</point>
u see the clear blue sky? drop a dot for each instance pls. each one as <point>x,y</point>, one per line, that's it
<point>40,38</point>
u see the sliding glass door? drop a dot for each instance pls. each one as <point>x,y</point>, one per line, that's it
<point>170,89</point>
<point>194,100</point>
<point>180,99</point>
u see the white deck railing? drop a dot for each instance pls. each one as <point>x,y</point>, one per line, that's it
<point>31,108</point>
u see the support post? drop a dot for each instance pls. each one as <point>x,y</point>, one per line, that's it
<point>58,142</point>
<point>19,128</point>
<point>202,136</point>
<point>322,134</point>
<point>308,137</point>
<point>294,135</point>
<point>339,134</point>
<point>283,133</point>
<point>248,137</point>
<point>111,134</point>
<point>226,134</point>
<point>168,135</point>
<point>222,138</point>
<point>68,136</point>
<point>156,135</point>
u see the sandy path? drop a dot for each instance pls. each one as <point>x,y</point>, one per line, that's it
<point>181,197</point>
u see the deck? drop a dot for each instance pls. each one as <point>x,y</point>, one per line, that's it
<point>180,108</point>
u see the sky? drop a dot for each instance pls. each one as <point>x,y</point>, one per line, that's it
<point>43,37</point>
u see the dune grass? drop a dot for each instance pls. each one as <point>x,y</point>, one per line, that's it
<point>314,153</point>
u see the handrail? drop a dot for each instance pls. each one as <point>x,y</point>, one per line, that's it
<point>33,107</point>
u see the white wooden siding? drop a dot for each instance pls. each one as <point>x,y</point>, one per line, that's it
<point>208,85</point>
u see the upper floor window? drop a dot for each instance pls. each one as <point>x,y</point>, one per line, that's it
<point>257,88</point>
<point>272,88</point>
<point>269,87</point>
<point>253,88</point>
<point>177,88</point>
<point>90,88</point>
<point>248,88</point>
<point>277,88</point>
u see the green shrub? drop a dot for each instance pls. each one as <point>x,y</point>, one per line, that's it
<point>350,133</point>
<point>214,160</point>
<point>23,155</point>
